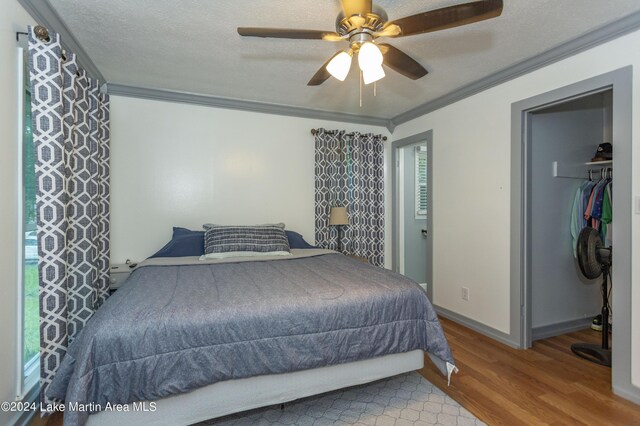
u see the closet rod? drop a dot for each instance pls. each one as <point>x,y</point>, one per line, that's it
<point>561,169</point>
<point>604,172</point>
<point>314,131</point>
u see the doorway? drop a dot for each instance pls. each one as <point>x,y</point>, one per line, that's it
<point>561,142</point>
<point>619,83</point>
<point>412,209</point>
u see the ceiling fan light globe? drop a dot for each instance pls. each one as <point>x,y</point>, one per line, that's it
<point>340,65</point>
<point>372,74</point>
<point>369,56</point>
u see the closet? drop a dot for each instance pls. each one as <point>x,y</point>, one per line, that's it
<point>563,139</point>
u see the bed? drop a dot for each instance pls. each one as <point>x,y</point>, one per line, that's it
<point>207,338</point>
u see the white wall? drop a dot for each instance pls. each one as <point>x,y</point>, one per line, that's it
<point>471,194</point>
<point>12,18</point>
<point>175,164</point>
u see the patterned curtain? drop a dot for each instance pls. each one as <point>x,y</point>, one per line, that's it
<point>71,139</point>
<point>349,172</point>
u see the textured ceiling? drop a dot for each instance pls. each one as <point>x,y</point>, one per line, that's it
<point>193,46</point>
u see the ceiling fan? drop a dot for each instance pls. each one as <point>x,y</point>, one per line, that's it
<point>361,24</point>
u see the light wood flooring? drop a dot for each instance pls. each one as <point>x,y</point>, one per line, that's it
<point>545,385</point>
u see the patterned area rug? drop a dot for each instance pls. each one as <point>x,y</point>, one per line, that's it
<point>407,399</point>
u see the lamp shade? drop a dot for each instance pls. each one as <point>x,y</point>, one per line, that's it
<point>338,216</point>
<point>340,65</point>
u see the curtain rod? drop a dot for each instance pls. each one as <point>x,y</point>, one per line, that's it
<point>314,131</point>
<point>41,32</point>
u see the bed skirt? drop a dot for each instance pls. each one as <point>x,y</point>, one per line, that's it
<point>233,396</point>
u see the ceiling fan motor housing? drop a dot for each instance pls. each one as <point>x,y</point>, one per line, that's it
<point>372,21</point>
<point>359,39</point>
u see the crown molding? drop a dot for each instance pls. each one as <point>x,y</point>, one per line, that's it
<point>46,15</point>
<point>594,38</point>
<point>252,106</point>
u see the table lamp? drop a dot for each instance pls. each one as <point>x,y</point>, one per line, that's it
<point>338,217</point>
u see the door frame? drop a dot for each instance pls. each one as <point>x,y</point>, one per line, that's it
<point>423,137</point>
<point>620,82</point>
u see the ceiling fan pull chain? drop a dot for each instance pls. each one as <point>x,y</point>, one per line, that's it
<point>375,89</point>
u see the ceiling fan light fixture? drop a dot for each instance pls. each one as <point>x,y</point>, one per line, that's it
<point>372,74</point>
<point>361,24</point>
<point>369,57</point>
<point>340,65</point>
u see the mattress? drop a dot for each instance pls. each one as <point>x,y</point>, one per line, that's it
<point>179,324</point>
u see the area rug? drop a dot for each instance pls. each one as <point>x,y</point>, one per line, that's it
<point>407,399</point>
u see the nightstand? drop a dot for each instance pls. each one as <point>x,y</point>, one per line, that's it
<point>119,273</point>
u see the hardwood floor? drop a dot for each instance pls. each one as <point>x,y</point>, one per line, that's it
<point>545,385</point>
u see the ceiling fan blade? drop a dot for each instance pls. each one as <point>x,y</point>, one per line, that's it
<point>400,62</point>
<point>289,33</point>
<point>356,7</point>
<point>322,74</point>
<point>441,19</point>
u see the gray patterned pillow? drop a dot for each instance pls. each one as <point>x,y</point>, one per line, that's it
<point>256,239</point>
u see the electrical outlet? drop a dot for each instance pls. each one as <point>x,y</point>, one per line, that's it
<point>465,293</point>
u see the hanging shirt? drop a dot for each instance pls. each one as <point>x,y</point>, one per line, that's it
<point>587,187</point>
<point>576,220</point>
<point>594,199</point>
<point>577,212</point>
<point>607,216</point>
<point>596,210</point>
<point>580,204</point>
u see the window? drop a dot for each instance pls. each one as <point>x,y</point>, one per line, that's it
<point>29,282</point>
<point>421,182</point>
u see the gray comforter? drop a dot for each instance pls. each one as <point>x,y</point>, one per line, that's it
<point>172,328</point>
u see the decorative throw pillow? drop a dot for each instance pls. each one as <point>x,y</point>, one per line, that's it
<point>211,225</point>
<point>179,232</point>
<point>184,242</point>
<point>296,241</point>
<point>259,239</point>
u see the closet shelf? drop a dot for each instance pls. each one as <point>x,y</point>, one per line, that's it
<point>576,170</point>
<point>599,163</point>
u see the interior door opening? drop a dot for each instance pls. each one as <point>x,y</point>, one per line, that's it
<point>413,212</point>
<point>412,209</point>
<point>620,82</point>
<point>562,144</point>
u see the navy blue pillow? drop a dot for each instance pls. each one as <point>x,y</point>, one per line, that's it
<point>185,242</point>
<point>297,241</point>
<point>179,232</point>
